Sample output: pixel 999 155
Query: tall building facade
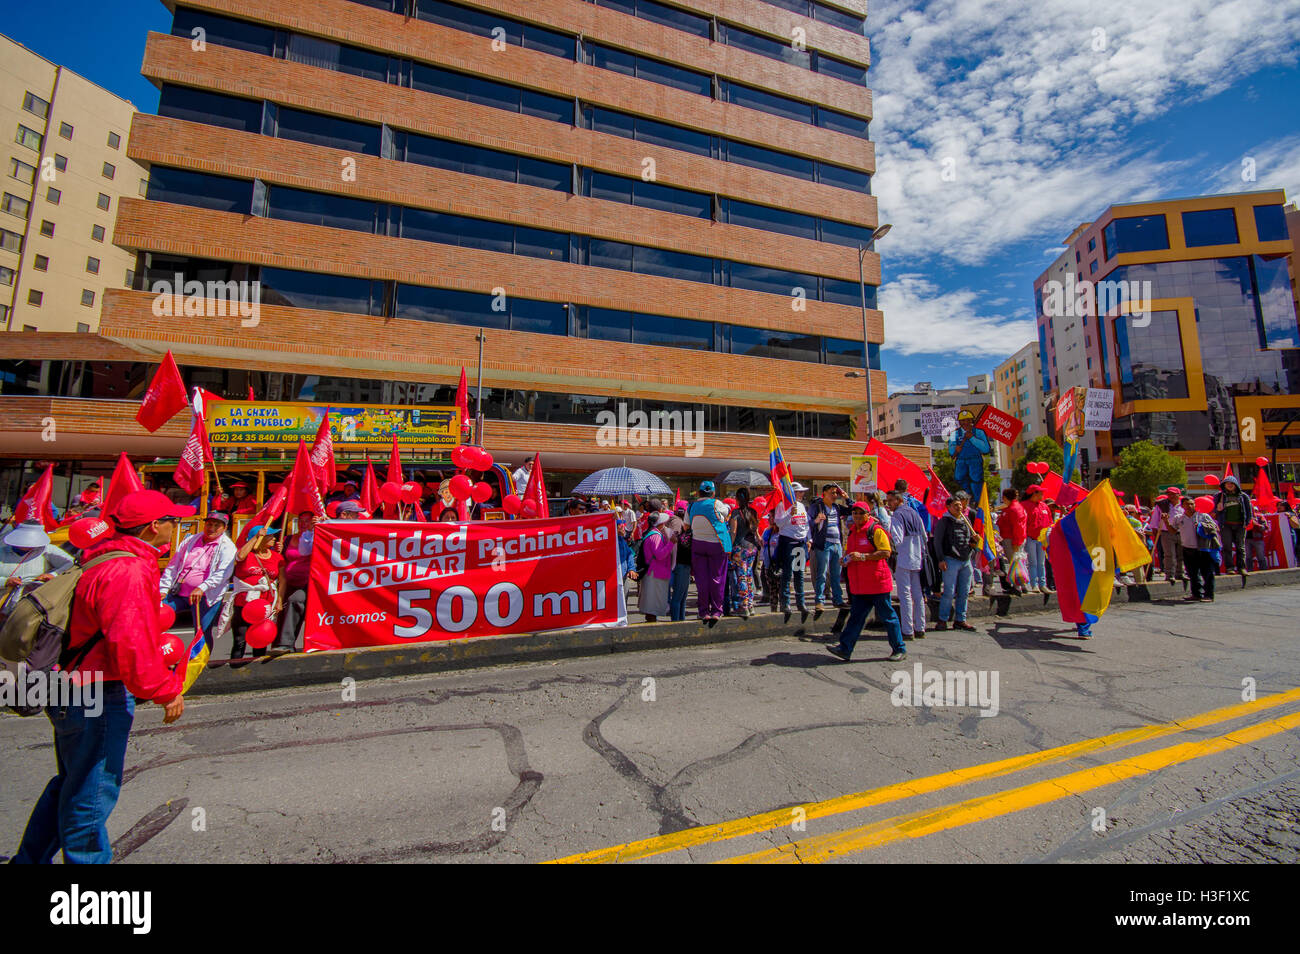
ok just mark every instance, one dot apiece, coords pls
pixel 654 204
pixel 1209 367
pixel 1016 390
pixel 66 169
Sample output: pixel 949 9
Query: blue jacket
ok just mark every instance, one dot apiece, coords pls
pixel 1247 511
pixel 977 445
pixel 921 511
pixel 819 529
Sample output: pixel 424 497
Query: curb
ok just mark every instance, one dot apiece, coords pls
pixel 381 662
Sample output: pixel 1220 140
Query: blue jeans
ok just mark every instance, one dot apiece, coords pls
pixel 72 813
pixel 1037 563
pixel 679 589
pixel 207 614
pixel 785 553
pixel 956 581
pixel 861 607
pixel 826 570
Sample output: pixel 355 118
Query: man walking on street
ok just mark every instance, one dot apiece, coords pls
pixel 115 622
pixel 870 583
pixel 1197 547
pixel 908 536
pixel 792 523
pixel 825 518
pixel 954 541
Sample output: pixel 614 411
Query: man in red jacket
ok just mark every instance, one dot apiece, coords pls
pixel 117 607
pixel 1013 528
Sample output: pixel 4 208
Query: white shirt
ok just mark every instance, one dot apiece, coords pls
pixel 521 481
pixel 792 521
pixel 220 570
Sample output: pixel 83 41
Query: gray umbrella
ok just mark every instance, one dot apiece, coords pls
pixel 743 478
pixel 620 481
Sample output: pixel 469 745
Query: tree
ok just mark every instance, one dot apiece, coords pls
pixel 943 468
pixel 1145 469
pixel 1040 448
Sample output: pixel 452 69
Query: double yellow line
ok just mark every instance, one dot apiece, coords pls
pixel 918 824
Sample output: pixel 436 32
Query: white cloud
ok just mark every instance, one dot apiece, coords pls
pixel 1032 117
pixel 1273 165
pixel 920 318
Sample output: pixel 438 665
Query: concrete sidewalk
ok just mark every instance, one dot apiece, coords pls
pixel 429 657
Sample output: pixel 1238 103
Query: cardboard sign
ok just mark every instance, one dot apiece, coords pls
pixel 938 422
pixel 1098 409
pixel 1064 407
pixel 999 425
pixel 864 474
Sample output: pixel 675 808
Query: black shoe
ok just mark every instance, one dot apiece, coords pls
pixel 278 651
pixel 919 634
pixel 963 625
pixel 838 652
pixel 941 626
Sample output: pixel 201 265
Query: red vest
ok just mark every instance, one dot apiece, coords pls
pixel 867 577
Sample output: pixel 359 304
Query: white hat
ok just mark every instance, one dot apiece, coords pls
pixel 28 534
pixel 796 486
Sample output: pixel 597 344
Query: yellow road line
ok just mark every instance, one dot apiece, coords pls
pixel 767 821
pixel 919 824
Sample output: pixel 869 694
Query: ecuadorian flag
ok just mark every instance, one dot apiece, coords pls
pixel 982 524
pixel 780 469
pixel 1086 548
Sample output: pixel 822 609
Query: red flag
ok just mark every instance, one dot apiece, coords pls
pixel 1227 471
pixel 1071 494
pixel 370 489
pixel 1051 483
pixel 322 455
pixel 251 399
pixel 37 503
pixel 125 480
pixel 189 469
pixel 1290 497
pixel 891 466
pixel 165 397
pixel 304 493
pixel 394 477
pixel 269 512
pixel 536 489
pixel 1264 496
pixel 462 401
pixel 936 498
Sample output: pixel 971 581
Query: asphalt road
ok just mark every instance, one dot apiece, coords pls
pixel 761 751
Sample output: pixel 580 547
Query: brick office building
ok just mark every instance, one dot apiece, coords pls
pixel 653 203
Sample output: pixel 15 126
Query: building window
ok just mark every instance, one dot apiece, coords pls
pixel 11 241
pixel 97 233
pixel 92 265
pixel 14 205
pixel 28 137
pixel 1141 233
pixel 214 109
pixel 47 228
pixel 109 170
pixel 53 195
pixel 35 105
pixel 1270 223
pixel 1210 227
pixel 65 130
pixel 22 171
pixel 204 191
pixel 1151 358
pixel 87 297
pixel 1092 267
pixel 82 327
pixel 60 162
pixel 1092 245
pixel 41 263
pixel 34 297
pixel 103 202
pixel 144 186
pixel 114 140
pixel 6 275
pixel 130 277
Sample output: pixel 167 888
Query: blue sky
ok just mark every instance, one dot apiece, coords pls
pixel 1048 112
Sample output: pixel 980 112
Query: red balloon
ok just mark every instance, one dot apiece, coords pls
pixel 529 509
pixel 760 506
pixel 460 486
pixel 482 459
pixel 88 530
pixel 462 455
pixel 332 509
pixel 166 617
pixel 481 492
pixel 173 650
pixel 260 635
pixel 512 504
pixel 1036 467
pixel 1212 479
pixel 390 492
pixel 254 611
pixel 411 492
pixel 1204 504
pixel 729 501
pixel 1261 461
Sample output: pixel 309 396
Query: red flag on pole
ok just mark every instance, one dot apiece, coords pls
pixel 124 481
pixel 165 397
pixel 304 493
pixel 322 455
pixel 891 465
pixel 936 498
pixel 269 512
pixel 536 489
pixel 1264 492
pixel 1227 472
pixel 189 469
pixel 370 490
pixel 37 503
pixel 391 511
pixel 462 401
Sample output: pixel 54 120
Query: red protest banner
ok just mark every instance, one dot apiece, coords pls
pixel 1064 407
pixel 385 583
pixel 999 425
pixel 891 465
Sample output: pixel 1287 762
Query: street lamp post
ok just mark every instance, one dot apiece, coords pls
pixel 866 345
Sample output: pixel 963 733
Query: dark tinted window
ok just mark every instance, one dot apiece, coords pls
pixel 769 159
pixel 199 189
pixel 769 219
pixel 842 178
pixel 840 18
pixel 773 280
pixel 224 32
pixel 646 68
pixel 763 343
pixel 767 102
pixel 334 56
pixel 360 296
pixel 484 22
pixel 1270 223
pixel 541 243
pixel 672 332
pixel 417 303
pixel 539 317
pixel 214 109
pixel 673 137
pixel 841 233
pixel 1210 227
pixel 319 208
pixel 843 122
pixel 764 46
pixel 652 195
pixel 545 175
pixel 544 106
pixel 328 131
pixel 1151 358
pixel 839 69
pixel 839 292
pixel 679 265
pixel 1142 233
pixel 606 324
pixel 605 254
pixel 848 352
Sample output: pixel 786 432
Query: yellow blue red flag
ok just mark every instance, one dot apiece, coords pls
pixel 781 476
pixel 1086 548
pixel 983 527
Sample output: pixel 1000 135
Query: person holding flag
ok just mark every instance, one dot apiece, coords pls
pixel 954 542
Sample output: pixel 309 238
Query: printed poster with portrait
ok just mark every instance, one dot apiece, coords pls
pixel 863 471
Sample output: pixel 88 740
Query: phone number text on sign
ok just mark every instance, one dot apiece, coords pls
pixel 380 583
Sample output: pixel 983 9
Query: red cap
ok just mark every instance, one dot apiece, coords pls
pixel 145 506
pixel 1034 488
pixel 1174 490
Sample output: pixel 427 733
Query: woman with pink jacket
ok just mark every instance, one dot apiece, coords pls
pixel 660 549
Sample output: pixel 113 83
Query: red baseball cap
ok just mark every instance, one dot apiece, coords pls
pixel 1033 488
pixel 145 506
pixel 1174 491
